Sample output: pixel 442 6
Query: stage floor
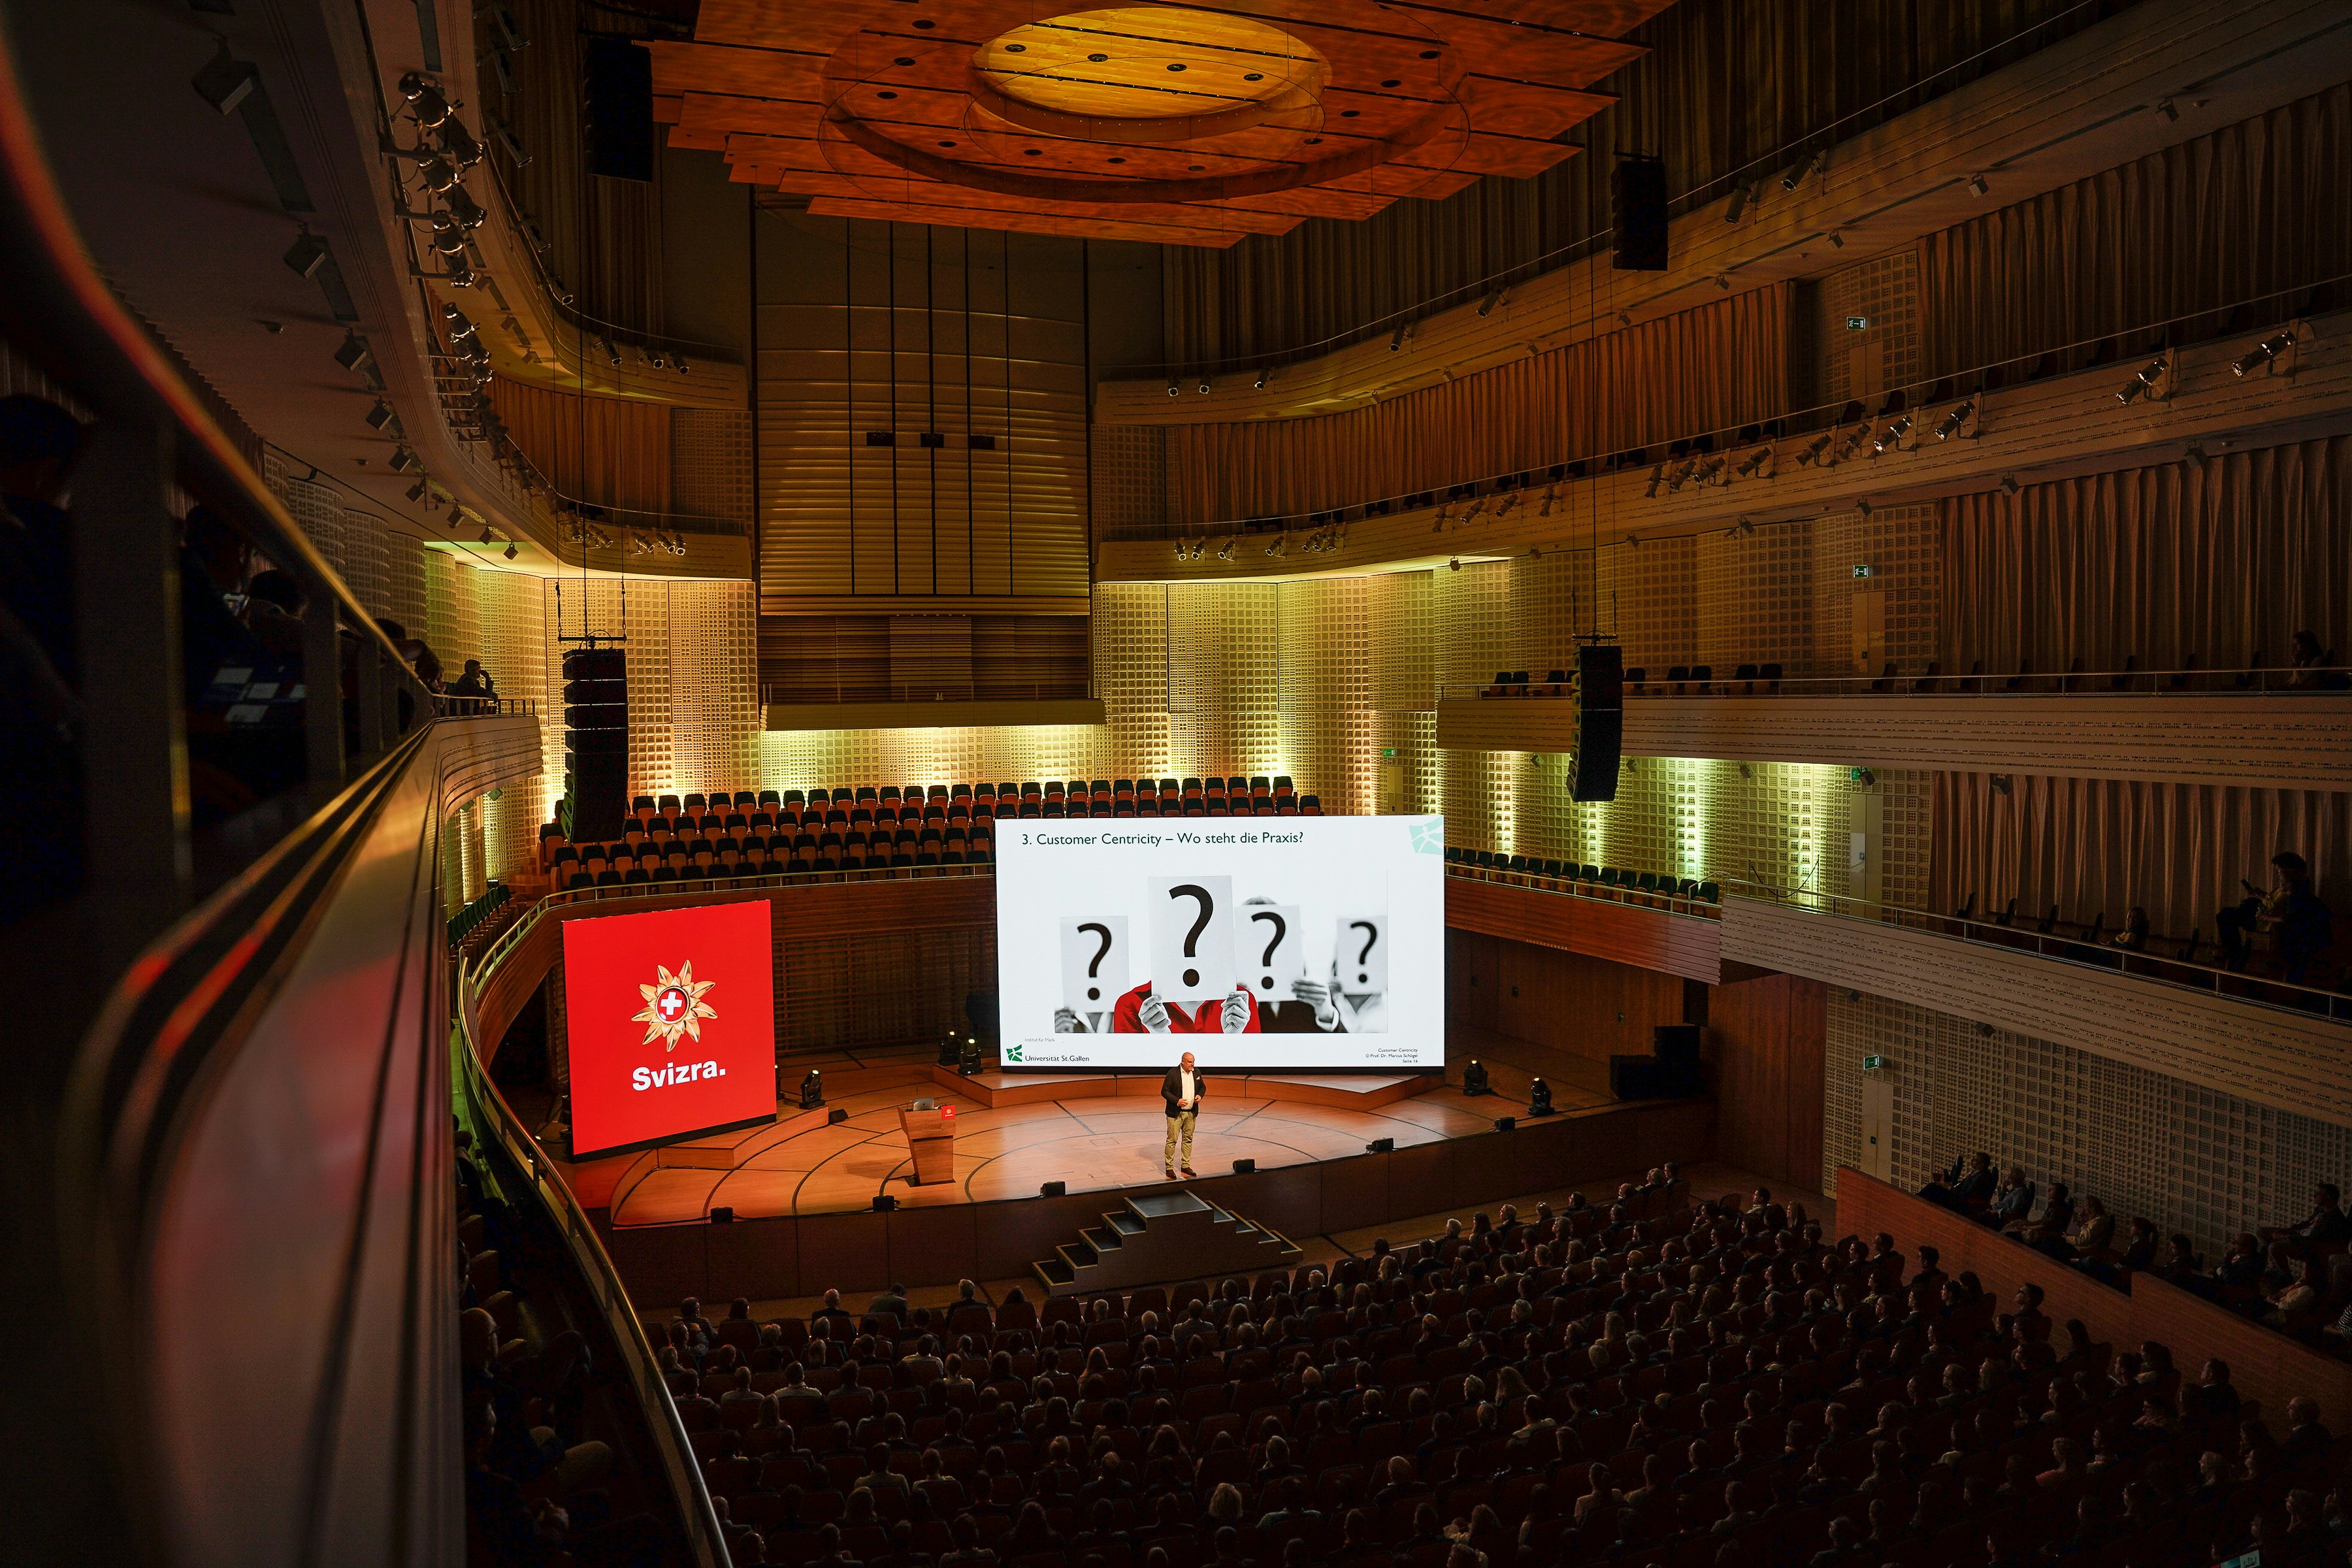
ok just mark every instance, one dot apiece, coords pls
pixel 1089 1134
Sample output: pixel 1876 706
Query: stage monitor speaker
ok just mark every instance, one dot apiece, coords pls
pixel 1600 722
pixel 1244 1167
pixel 1380 1146
pixel 835 1114
pixel 722 1215
pixel 1676 1044
pixel 1507 1123
pixel 619 120
pixel 1637 208
pixel 884 1203
pixel 1054 1190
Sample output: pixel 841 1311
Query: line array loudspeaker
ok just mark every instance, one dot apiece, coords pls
pixel 1600 722
pixel 596 741
pixel 1637 204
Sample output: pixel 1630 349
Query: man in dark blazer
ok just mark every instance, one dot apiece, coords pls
pixel 1181 1092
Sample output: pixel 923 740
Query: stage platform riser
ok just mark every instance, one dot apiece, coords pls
pixel 805 1255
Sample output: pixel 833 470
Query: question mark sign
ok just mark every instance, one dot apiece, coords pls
pixel 1199 922
pixel 1094 993
pixel 1281 926
pixel 1371 934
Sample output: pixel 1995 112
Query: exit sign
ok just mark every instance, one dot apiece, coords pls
pixel 1388 750
pixel 1872 1064
pixel 1857 323
pixel 1862 569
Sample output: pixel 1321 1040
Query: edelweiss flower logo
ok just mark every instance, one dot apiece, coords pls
pixel 674 1006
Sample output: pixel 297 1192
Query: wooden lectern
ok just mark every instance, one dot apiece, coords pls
pixel 930 1128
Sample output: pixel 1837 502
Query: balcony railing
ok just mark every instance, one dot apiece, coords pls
pixel 2160 961
pixel 1751 680
pixel 916 692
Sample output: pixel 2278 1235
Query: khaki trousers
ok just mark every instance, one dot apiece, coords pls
pixel 1180 1125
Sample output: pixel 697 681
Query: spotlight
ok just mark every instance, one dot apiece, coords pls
pixel 677 362
pixel 659 363
pixel 813 1090
pixel 403 460
pixel 2194 457
pixel 1487 306
pixel 465 209
pixel 1278 546
pixel 460 325
pixel 1232 547
pixel 1740 193
pixel 225 83
pixel 1893 435
pixel 2145 382
pixel 1538 1098
pixel 2009 484
pixel 1804 171
pixel 1753 462
pixel 2264 353
pixel 1204 386
pixel 2167 109
pixel 1977 187
pixel 307 254
pixel 380 416
pixel 1454 565
pixel 418 490
pixel 1657 478
pixel 612 354
pixel 1399 338
pixel 511 552
pixel 437 173
pixel 1474 1078
pixel 1260 382
pixel 1813 452
pixel 1551 494
pixel 1837 240
pixel 425 100
pixel 1950 425
pixel 1173 390
pixel 508 139
pixel 460 146
pixel 487 537
pixel 1179 550
pixel 1706 474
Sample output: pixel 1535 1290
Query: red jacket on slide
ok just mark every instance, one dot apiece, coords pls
pixel 1208 1019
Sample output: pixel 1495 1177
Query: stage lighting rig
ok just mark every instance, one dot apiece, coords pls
pixel 813 1090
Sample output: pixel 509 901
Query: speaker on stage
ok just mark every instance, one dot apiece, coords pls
pixel 1600 722
pixel 1676 1044
pixel 1054 1190
pixel 1637 210
pixel 1640 1078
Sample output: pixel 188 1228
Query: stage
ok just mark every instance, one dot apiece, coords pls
pixel 801 1190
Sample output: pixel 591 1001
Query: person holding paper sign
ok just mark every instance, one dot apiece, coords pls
pixel 1143 1011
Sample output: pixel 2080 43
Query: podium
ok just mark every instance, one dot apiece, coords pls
pixel 930 1128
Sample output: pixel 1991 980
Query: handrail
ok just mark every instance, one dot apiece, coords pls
pixel 1985 684
pixel 1534 483
pixel 774 695
pixel 1593 892
pixel 705 1536
pixel 2187 974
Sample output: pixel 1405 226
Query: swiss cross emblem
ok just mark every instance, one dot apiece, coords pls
pixel 674 1007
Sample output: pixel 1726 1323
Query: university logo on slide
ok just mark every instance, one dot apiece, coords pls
pixel 674 1006
pixel 1428 837
pixel 1012 1054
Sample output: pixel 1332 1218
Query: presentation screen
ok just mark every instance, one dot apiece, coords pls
pixel 1312 943
pixel 670 1017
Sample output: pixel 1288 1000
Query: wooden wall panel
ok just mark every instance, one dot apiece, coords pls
pixel 2264 1365
pixel 1646 938
pixel 1766 1039
pixel 1590 1006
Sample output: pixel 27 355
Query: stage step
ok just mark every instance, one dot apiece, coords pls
pixel 1159 1236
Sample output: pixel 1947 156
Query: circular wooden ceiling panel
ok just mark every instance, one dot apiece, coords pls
pixel 1154 74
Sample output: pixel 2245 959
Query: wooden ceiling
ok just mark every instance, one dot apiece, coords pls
pixel 1192 124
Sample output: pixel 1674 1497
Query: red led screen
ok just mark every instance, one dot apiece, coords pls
pixel 671 1021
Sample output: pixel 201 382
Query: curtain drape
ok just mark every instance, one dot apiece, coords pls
pixel 2090 845
pixel 2225 562
pixel 1716 367
pixel 608 451
pixel 604 235
pixel 2250 209
pixel 1727 82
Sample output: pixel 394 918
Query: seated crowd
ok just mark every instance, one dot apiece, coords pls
pixel 2296 1278
pixel 772 833
pixel 1648 1381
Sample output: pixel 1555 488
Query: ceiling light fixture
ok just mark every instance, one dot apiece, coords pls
pixel 306 255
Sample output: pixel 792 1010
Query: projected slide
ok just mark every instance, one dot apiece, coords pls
pixel 671 1021
pixel 1309 942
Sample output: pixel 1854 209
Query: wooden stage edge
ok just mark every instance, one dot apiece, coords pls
pixel 788 1253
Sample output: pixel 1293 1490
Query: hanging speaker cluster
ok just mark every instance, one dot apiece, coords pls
pixel 1599 720
pixel 619 108
pixel 1637 210
pixel 596 741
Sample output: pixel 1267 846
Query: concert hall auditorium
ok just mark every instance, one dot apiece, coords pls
pixel 1678 674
